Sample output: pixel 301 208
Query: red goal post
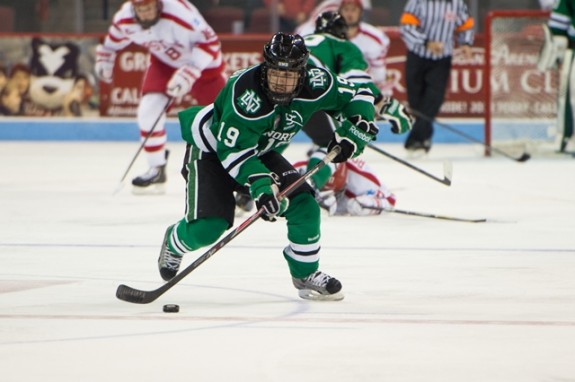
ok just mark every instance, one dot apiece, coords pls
pixel 521 102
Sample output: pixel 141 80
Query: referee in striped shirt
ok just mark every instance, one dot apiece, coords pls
pixel 428 28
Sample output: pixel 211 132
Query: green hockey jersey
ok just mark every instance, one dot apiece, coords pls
pixel 242 124
pixel 341 57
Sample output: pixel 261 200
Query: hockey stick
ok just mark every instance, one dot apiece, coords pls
pixel 164 110
pixel 447 168
pixel 425 215
pixel 522 158
pixel 137 296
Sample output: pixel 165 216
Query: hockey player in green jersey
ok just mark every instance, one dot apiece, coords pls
pixel 236 143
pixel 559 47
pixel 330 49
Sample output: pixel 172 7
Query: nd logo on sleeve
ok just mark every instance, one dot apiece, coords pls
pixel 249 102
pixel 317 78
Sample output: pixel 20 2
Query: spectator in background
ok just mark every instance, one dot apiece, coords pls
pixel 10 100
pixel 79 94
pixel 28 14
pixel 427 28
pixel 20 76
pixel 3 77
pixel 292 12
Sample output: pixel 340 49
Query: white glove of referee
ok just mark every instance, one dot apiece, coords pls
pixel 182 81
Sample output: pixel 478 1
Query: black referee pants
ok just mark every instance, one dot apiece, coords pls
pixel 426 83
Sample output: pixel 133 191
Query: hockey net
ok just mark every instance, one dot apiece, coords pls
pixel 522 101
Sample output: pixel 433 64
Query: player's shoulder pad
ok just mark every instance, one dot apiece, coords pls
pixel 318 81
pixel 248 97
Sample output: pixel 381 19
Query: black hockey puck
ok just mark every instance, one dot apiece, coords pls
pixel 171 308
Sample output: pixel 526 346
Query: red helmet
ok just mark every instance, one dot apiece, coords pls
pixel 354 2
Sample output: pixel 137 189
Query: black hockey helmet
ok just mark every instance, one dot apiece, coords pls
pixel 286 53
pixel 331 22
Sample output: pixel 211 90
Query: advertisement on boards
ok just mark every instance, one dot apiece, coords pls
pixel 54 76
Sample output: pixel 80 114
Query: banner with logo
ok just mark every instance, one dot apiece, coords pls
pixel 55 76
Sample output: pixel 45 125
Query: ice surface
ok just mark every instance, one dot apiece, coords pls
pixel 426 299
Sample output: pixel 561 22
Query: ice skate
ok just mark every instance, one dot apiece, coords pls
pixel 168 262
pixel 319 286
pixel 153 182
pixel 417 149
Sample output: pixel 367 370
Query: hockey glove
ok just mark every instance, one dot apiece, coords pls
pixel 327 200
pixel 104 66
pixel 265 192
pixel 352 136
pixel 182 81
pixel 396 114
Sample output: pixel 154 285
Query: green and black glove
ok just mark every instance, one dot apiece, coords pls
pixel 264 190
pixel 392 111
pixel 352 136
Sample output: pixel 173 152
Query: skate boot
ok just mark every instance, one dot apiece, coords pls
pixel 168 262
pixel 417 149
pixel 152 182
pixel 319 286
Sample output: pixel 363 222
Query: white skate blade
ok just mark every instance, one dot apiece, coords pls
pixel 153 189
pixel 309 294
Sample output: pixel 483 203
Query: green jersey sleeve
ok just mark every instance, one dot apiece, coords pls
pixel 340 56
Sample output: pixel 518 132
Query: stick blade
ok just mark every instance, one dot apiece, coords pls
pixel 136 296
pixel 447 172
pixel 118 188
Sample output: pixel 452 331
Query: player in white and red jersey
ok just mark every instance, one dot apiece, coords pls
pixel 371 41
pixel 353 189
pixel 185 57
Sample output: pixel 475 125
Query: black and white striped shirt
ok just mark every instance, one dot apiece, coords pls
pixel 435 20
